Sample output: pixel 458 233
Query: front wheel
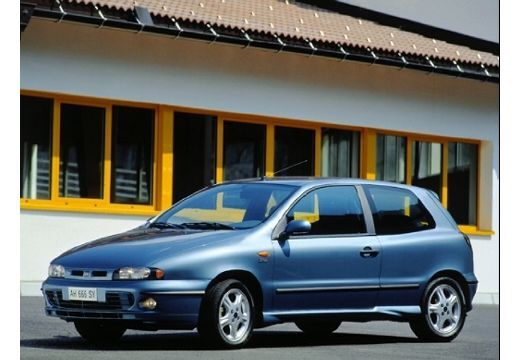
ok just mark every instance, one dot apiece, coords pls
pixel 227 315
pixel 318 327
pixel 99 332
pixel 443 312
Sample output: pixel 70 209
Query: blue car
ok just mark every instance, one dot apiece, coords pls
pixel 253 253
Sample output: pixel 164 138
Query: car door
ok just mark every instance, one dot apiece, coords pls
pixel 337 264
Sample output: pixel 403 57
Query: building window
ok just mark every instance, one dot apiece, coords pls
pixel 339 153
pixel 294 151
pixel 81 151
pixel 391 158
pixel 427 166
pixel 244 150
pixel 35 147
pixel 462 182
pixel 194 148
pixel 132 155
pixel 106 153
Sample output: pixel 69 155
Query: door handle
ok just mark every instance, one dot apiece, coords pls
pixel 368 252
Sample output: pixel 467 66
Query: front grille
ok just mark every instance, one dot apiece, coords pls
pixel 115 300
pixel 87 274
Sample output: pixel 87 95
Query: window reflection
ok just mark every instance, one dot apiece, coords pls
pixel 81 151
pixel 244 150
pixel 330 210
pixel 397 211
pixel 35 145
pixel 462 182
pixel 194 149
pixel 294 146
pixel 427 165
pixel 132 155
pixel 391 158
pixel 340 153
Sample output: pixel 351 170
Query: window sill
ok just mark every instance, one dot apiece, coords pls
pixel 83 206
pixel 473 230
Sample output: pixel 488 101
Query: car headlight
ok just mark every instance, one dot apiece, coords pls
pixel 138 273
pixel 56 271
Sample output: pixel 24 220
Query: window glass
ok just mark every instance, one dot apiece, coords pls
pixel 397 211
pixel 330 210
pixel 293 146
pixel 35 147
pixel 391 158
pixel 194 149
pixel 340 153
pixel 427 165
pixel 241 205
pixel 462 182
pixel 81 151
pixel 244 150
pixel 132 155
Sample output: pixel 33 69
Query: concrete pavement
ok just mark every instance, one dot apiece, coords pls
pixel 43 337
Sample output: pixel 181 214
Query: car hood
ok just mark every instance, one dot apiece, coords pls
pixel 139 247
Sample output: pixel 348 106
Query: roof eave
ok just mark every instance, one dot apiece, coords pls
pixel 276 43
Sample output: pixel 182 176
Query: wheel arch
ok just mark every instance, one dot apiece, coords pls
pixel 461 281
pixel 252 284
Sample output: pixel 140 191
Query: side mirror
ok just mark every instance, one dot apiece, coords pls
pixel 296 227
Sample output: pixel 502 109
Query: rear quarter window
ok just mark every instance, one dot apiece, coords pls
pixel 397 211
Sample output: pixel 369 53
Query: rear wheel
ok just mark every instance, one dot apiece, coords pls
pixel 443 312
pixel 227 315
pixel 99 332
pixel 318 327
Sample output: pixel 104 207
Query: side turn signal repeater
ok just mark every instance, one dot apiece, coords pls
pixel 263 256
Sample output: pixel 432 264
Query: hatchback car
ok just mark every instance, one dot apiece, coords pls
pixel 253 253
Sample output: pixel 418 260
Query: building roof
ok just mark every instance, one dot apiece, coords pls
pixel 295 22
pixel 304 21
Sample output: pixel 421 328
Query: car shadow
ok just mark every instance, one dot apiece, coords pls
pixel 191 341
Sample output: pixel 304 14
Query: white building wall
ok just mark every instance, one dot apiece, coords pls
pixel 104 63
pixel 45 235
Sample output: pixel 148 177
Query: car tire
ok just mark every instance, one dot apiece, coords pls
pixel 443 312
pixel 227 315
pixel 99 332
pixel 318 327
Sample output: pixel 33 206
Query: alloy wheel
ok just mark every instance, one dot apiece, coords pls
pixel 234 315
pixel 444 309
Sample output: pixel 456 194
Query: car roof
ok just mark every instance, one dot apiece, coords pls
pixel 311 181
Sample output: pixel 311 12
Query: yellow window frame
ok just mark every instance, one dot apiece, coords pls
pixel 370 166
pixel 164 156
pixel 101 205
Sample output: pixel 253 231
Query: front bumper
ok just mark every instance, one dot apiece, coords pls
pixel 178 302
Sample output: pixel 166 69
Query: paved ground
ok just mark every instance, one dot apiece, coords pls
pixel 49 338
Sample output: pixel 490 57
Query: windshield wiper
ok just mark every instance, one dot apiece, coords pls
pixel 165 225
pixel 208 225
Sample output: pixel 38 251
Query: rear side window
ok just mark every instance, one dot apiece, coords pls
pixel 330 210
pixel 397 211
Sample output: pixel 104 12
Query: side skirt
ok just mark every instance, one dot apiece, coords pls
pixel 392 313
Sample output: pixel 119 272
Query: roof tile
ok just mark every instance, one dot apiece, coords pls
pixel 304 21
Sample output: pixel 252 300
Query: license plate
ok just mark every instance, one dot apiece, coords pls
pixel 83 294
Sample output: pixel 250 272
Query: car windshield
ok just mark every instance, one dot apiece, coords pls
pixel 228 206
